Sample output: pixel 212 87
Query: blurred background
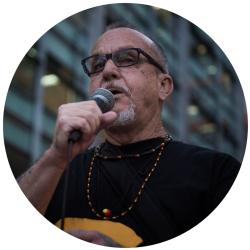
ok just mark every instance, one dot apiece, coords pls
pixel 207 107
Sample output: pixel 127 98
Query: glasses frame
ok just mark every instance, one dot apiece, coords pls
pixel 109 56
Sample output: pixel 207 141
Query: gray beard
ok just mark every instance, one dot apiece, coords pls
pixel 125 117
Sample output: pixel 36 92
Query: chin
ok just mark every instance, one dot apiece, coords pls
pixel 125 117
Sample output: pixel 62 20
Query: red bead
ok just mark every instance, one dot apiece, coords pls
pixel 106 212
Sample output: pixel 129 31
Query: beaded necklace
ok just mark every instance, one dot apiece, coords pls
pixel 106 213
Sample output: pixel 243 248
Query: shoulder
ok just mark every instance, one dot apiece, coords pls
pixel 184 148
pixel 200 155
pixel 187 150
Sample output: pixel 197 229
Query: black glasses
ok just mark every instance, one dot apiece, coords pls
pixel 121 58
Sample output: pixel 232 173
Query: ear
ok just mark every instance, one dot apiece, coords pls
pixel 165 86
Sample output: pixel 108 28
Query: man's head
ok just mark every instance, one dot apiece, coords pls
pixel 137 77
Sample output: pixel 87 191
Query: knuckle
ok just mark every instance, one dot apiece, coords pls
pixel 62 123
pixel 92 116
pixel 84 123
pixel 94 107
pixel 61 108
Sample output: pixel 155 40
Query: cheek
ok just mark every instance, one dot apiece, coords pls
pixel 92 87
pixel 149 84
pixel 140 81
pixel 147 100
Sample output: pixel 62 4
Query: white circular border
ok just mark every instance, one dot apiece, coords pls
pixel 23 22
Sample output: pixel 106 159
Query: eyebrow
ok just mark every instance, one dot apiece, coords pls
pixel 117 49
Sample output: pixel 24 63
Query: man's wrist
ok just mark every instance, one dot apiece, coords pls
pixel 56 159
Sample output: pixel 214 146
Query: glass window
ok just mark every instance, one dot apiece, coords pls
pixel 201 127
pixel 23 77
pixel 17 138
pixel 19 161
pixel 226 81
pixel 57 86
pixel 57 93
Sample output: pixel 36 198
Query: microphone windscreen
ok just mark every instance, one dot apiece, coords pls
pixel 104 99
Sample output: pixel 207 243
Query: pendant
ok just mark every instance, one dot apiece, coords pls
pixel 106 212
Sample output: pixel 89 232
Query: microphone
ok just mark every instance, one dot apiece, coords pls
pixel 105 101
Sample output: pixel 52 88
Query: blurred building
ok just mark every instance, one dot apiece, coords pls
pixel 207 107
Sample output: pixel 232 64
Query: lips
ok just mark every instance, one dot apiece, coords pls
pixel 117 91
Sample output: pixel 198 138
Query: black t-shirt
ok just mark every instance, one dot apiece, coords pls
pixel 186 185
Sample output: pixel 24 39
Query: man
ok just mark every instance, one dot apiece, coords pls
pixel 139 187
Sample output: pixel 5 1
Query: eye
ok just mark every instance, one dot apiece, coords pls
pixel 97 63
pixel 126 57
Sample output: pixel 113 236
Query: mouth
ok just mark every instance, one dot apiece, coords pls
pixel 116 91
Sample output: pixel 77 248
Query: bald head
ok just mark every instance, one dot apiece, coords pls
pixel 124 37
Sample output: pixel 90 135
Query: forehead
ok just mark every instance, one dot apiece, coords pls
pixel 119 38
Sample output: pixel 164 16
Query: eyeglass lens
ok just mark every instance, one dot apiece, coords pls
pixel 122 58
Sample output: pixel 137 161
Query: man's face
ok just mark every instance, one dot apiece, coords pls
pixel 136 87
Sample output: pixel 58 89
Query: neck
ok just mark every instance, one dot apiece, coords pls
pixel 130 134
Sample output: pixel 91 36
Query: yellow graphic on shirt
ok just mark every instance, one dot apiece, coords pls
pixel 117 231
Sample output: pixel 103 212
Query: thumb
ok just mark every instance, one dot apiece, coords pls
pixel 108 118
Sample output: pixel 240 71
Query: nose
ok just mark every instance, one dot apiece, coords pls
pixel 110 71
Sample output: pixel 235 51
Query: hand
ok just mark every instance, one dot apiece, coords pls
pixel 94 237
pixel 83 116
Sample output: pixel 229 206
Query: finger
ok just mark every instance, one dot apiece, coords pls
pixel 94 120
pixel 88 122
pixel 64 132
pixel 107 119
pixel 79 109
pixel 91 114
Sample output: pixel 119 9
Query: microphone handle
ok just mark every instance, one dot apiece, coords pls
pixel 74 136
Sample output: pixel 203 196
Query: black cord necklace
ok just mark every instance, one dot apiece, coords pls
pixel 106 213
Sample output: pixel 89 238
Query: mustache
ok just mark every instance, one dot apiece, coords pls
pixel 116 87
